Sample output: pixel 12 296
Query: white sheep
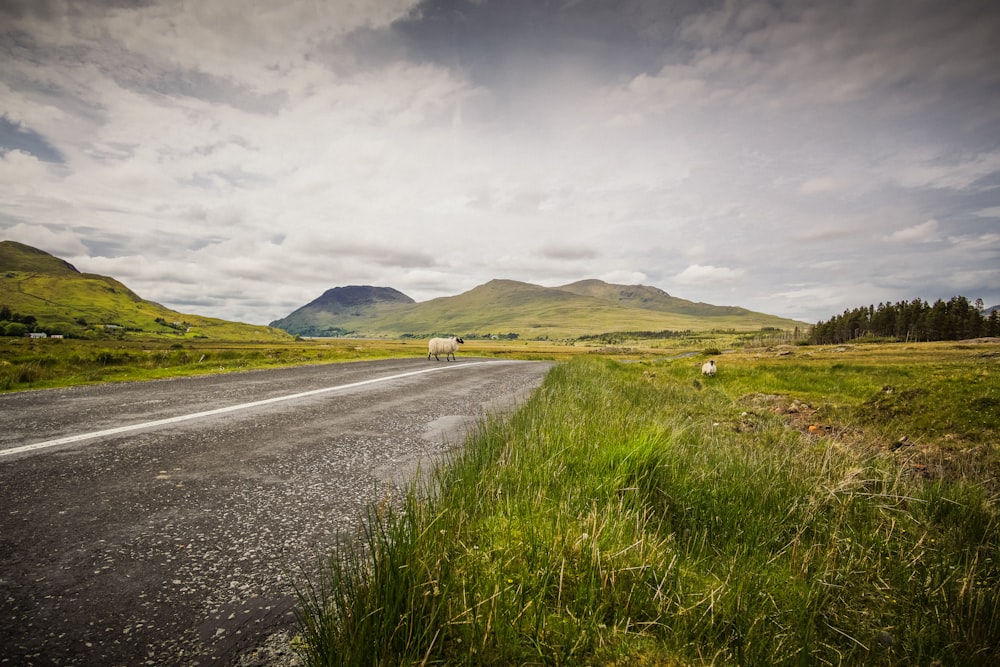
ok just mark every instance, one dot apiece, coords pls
pixel 446 346
pixel 708 368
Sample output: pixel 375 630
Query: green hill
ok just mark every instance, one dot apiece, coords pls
pixel 531 311
pixel 652 298
pixel 61 299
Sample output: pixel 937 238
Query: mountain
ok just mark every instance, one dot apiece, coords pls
pixel 63 300
pixel 16 256
pixel 501 307
pixel 651 298
pixel 337 310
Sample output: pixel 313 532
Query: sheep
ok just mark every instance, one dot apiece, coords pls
pixel 708 368
pixel 446 346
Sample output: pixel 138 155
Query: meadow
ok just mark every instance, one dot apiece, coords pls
pixel 60 362
pixel 806 506
pixel 50 363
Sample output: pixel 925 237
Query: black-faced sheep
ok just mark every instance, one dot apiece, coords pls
pixel 446 346
pixel 708 368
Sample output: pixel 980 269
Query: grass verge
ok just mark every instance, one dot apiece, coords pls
pixel 632 513
pixel 49 363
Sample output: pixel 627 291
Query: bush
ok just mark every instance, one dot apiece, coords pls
pixel 15 329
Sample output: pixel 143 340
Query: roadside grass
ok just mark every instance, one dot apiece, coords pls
pixel 38 364
pixel 638 514
pixel 49 363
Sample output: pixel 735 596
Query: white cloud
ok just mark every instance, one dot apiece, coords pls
pixel 698 274
pixel 924 232
pixel 820 185
pixel 930 168
pixel 21 172
pixel 624 277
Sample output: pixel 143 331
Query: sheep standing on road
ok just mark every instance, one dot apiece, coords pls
pixel 708 368
pixel 446 346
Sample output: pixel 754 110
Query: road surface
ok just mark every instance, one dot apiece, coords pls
pixel 165 522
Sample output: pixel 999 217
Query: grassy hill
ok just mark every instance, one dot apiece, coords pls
pixel 532 311
pixel 652 298
pixel 63 300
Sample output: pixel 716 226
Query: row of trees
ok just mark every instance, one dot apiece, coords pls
pixel 916 320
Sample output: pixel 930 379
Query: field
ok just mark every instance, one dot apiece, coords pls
pixel 47 363
pixel 808 505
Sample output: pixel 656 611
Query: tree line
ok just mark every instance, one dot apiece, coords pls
pixel 917 320
pixel 15 324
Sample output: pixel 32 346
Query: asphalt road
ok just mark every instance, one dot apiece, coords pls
pixel 176 541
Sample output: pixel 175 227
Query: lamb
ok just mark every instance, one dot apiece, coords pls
pixel 446 346
pixel 708 368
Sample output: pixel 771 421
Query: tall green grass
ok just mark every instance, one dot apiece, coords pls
pixel 624 515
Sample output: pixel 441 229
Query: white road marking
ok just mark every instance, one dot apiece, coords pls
pixel 218 411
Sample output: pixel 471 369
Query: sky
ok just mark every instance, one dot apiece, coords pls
pixel 237 158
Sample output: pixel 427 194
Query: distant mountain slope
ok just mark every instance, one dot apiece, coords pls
pixel 64 300
pixel 335 312
pixel 651 298
pixel 532 311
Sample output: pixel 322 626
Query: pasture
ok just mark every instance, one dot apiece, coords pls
pixel 48 363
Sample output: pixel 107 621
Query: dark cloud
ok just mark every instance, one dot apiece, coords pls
pixel 509 43
pixel 48 10
pixel 568 253
pixel 377 254
pixel 101 244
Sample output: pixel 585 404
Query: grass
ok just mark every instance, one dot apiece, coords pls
pixel 48 363
pixel 637 514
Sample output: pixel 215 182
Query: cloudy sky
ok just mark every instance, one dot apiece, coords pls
pixel 236 158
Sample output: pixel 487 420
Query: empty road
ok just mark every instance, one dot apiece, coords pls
pixel 159 522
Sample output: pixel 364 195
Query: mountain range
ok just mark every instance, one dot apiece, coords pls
pixel 61 299
pixel 505 307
